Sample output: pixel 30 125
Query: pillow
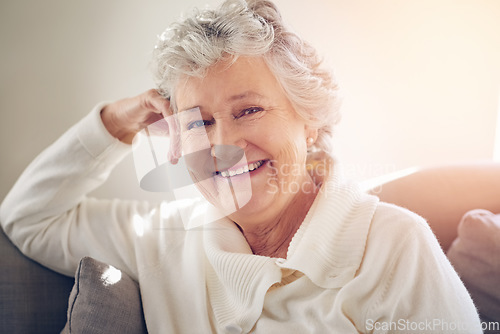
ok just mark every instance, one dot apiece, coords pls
pixel 475 254
pixel 104 300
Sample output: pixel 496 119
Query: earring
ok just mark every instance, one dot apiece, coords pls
pixel 310 141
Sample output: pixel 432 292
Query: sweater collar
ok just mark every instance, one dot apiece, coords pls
pixel 328 248
pixel 329 245
pixel 237 280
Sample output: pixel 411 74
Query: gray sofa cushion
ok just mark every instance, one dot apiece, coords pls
pixel 475 254
pixel 104 300
pixel 33 299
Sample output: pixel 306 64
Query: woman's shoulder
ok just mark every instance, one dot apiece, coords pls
pixel 396 233
pixel 397 238
pixel 396 220
pixel 404 262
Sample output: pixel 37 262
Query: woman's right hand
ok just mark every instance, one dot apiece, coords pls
pixel 125 118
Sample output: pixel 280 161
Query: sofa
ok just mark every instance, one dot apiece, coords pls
pixel 34 299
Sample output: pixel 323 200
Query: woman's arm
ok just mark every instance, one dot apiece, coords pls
pixel 442 195
pixel 47 214
pixel 410 281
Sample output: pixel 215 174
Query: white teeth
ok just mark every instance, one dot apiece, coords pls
pixel 241 170
pixel 255 165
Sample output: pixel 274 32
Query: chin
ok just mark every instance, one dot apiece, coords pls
pixel 260 202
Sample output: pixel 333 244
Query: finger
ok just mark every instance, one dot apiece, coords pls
pixel 174 153
pixel 152 101
pixel 158 126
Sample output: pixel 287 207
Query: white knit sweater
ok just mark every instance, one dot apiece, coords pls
pixel 355 265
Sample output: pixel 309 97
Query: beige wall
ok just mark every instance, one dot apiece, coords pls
pixel 420 78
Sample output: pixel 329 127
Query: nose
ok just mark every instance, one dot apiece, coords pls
pixel 226 132
pixel 226 156
pixel 227 144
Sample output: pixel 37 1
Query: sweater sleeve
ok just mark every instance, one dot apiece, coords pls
pixel 418 290
pixel 47 214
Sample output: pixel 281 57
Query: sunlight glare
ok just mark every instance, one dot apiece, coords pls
pixel 496 145
pixel 111 276
pixel 139 223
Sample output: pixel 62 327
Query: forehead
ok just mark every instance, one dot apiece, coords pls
pixel 226 80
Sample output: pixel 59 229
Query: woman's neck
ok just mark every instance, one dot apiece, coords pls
pixel 271 237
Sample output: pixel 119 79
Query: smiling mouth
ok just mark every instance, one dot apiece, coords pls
pixel 245 169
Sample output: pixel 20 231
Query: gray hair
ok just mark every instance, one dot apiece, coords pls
pixel 250 28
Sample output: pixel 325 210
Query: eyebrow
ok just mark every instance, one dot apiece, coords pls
pixel 245 95
pixel 237 97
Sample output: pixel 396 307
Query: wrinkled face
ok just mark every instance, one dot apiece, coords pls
pixel 253 143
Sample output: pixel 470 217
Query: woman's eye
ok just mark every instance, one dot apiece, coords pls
pixel 251 110
pixel 197 124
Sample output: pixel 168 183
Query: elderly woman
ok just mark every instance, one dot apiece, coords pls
pixel 303 252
